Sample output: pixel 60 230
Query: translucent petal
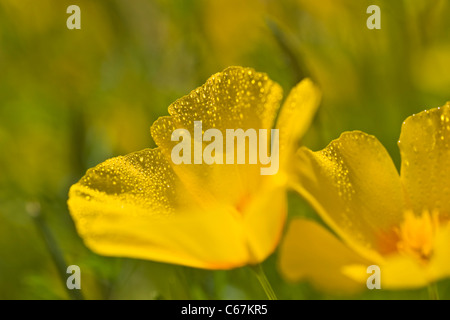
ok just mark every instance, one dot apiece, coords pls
pixel 210 216
pixel 264 219
pixel 237 98
pixel 355 188
pixel 402 271
pixel 439 267
pixel 134 206
pixel 312 253
pixel 296 115
pixel 142 179
pixel 397 272
pixel 425 149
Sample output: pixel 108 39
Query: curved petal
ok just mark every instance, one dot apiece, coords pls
pixel 397 272
pixel 405 272
pixel 313 253
pixel 237 98
pixel 234 98
pixel 134 206
pixel 439 267
pixel 296 115
pixel 425 149
pixel 264 218
pixel 355 188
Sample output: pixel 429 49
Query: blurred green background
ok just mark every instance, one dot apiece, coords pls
pixel 70 99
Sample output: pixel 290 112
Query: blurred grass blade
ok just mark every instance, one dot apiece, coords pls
pixel 433 292
pixel 34 210
pixel 298 66
pixel 261 276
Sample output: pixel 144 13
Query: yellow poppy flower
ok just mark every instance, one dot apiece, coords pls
pixel 399 222
pixel 213 216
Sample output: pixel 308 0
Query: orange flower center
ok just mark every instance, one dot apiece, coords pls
pixel 416 234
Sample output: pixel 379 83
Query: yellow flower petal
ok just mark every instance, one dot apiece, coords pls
pixel 209 216
pixel 355 188
pixel 402 271
pixel 439 267
pixel 133 206
pixel 425 150
pixel 296 115
pixel 264 219
pixel 151 215
pixel 237 98
pixel 397 272
pixel 311 252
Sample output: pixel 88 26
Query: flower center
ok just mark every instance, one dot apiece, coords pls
pixel 243 203
pixel 416 234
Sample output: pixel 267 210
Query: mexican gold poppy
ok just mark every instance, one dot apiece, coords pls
pixel 213 216
pixel 375 215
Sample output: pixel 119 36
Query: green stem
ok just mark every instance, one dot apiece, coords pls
pixel 433 292
pixel 34 210
pixel 261 276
